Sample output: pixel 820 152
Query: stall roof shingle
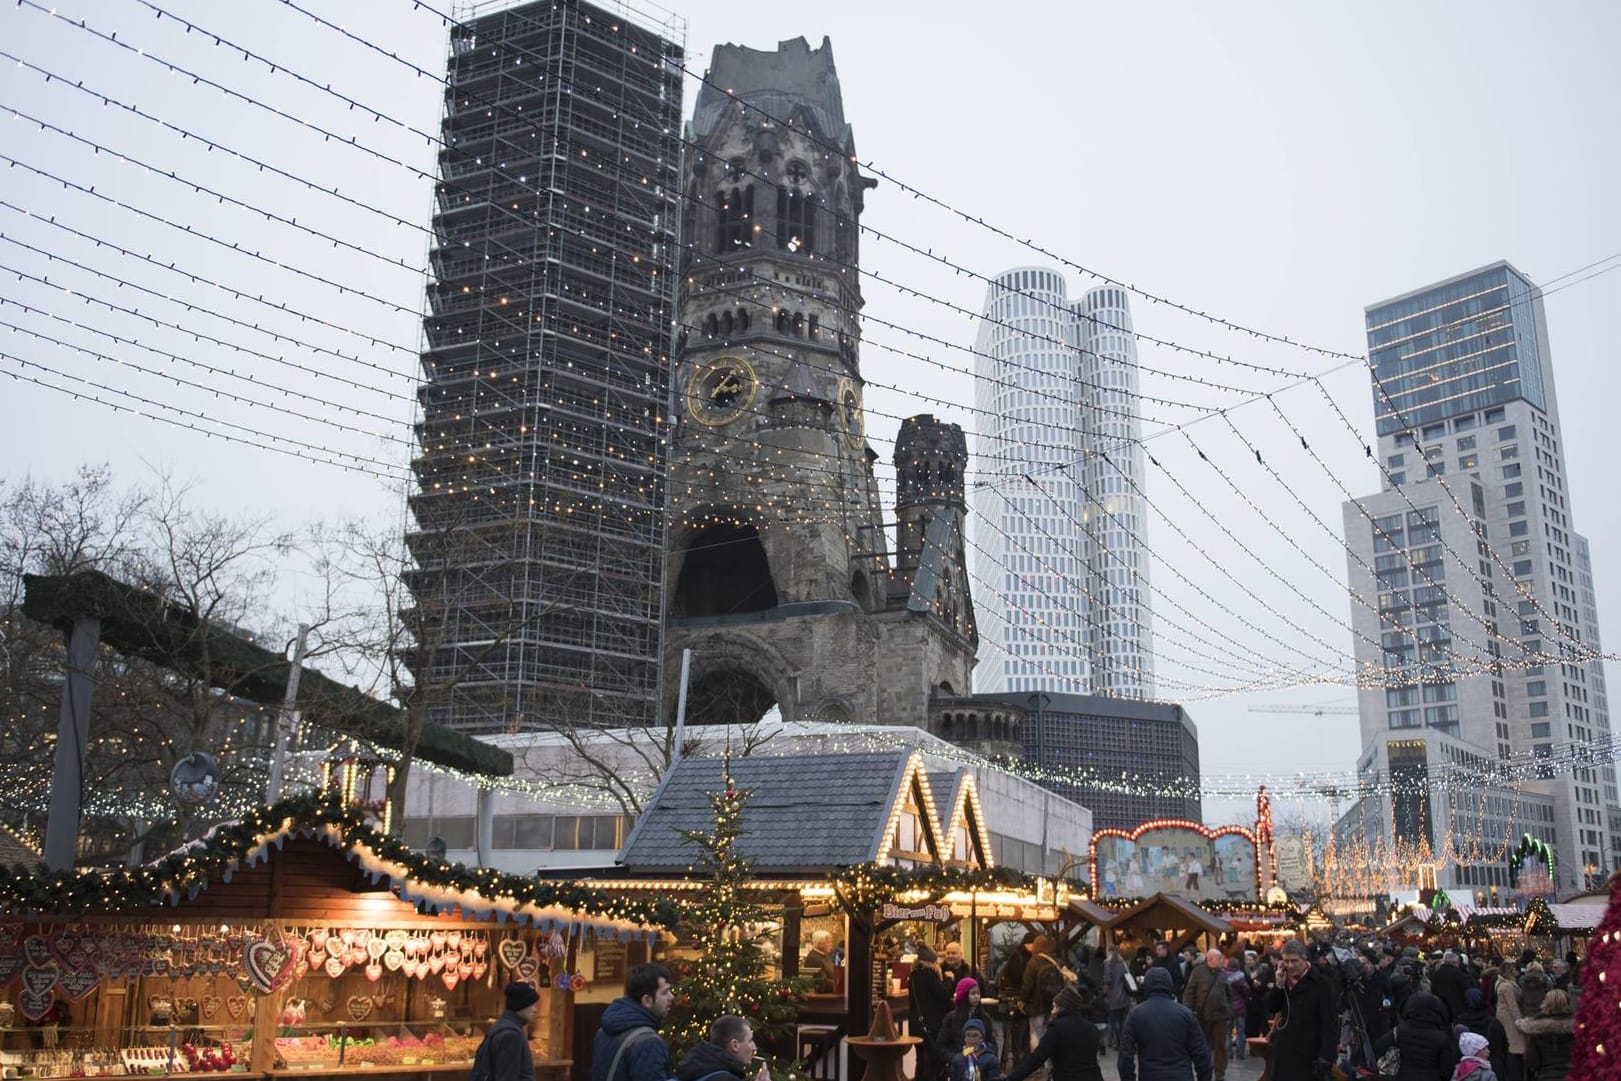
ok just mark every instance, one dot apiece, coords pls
pixel 805 813
pixel 14 850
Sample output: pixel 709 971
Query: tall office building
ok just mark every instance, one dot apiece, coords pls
pixel 1482 618
pixel 1059 521
pixel 539 509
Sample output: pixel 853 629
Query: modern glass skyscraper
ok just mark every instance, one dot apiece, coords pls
pixel 1485 621
pixel 539 509
pixel 1061 562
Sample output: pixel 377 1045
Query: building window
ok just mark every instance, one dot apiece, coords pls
pixel 1505 432
pixel 1511 471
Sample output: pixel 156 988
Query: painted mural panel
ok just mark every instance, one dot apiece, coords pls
pixel 1178 860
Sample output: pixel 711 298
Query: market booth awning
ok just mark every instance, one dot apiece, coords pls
pixel 1184 920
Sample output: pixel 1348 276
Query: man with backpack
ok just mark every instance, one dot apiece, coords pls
pixel 728 1054
pixel 628 1046
pixel 504 1055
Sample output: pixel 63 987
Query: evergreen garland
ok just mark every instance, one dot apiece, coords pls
pixel 182 874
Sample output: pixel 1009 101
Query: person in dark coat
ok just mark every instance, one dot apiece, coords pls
pixel 1429 1051
pixel 1070 1042
pixel 975 1060
pixel 1173 965
pixel 1207 996
pixel 728 1054
pixel 1548 1038
pixel 1449 982
pixel 1475 1017
pixel 955 967
pixel 966 1008
pixel 504 1055
pixel 1304 1043
pixel 1162 1038
pixel 930 1001
pixel 1534 984
pixel 632 1023
pixel 1043 979
pixel 1009 984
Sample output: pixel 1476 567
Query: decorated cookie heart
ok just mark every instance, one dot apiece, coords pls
pixel 392 960
pixel 453 939
pixel 375 947
pixel 451 979
pixel 11 963
pixel 334 967
pixel 236 1006
pixel 395 938
pixel 269 965
pixel 78 982
pixel 359 1007
pixel 464 969
pixel 35 1005
pixel 512 951
pixel 479 969
pixel 318 939
pixel 9 937
pixel 527 969
pixel 436 963
pixel 374 972
pixel 210 1005
pixel 37 950
pixel 481 946
pixel 316 958
pixel 41 978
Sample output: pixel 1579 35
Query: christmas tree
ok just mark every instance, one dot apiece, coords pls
pixel 1597 1054
pixel 726 931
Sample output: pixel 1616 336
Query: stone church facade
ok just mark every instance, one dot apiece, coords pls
pixel 778 572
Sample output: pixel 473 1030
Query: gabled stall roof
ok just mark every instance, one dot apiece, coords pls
pixel 1164 912
pixel 1577 916
pixel 14 851
pixel 807 814
pixel 956 797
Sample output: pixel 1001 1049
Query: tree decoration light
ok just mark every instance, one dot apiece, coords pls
pixel 727 927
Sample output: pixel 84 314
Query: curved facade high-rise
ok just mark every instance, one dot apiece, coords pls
pixel 1118 620
pixel 1059 524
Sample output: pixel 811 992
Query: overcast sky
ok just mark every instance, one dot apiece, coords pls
pixel 1277 165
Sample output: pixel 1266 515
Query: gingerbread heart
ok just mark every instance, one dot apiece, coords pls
pixel 9 937
pixel 528 969
pixel 374 972
pixel 11 963
pixel 64 943
pixel 37 950
pixel 436 963
pixel 316 958
pixel 479 969
pixel 78 982
pixel 210 1005
pixel 41 979
pixel 481 946
pixel 36 1004
pixel 269 965
pixel 464 969
pixel 359 1007
pixel 453 939
pixel 396 938
pixel 512 951
pixel 236 1006
pixel 375 947
pixel 318 939
pixel 334 967
pixel 450 978
pixel 392 960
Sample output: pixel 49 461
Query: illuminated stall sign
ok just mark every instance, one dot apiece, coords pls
pixel 1176 857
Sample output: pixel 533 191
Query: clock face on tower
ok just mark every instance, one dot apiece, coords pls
pixel 850 415
pixel 720 390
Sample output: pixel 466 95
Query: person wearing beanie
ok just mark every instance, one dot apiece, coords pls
pixel 975 1059
pixel 504 1054
pixel 1473 1065
pixel 1162 1039
pixel 965 1009
pixel 1043 979
pixel 628 1046
pixel 1069 1042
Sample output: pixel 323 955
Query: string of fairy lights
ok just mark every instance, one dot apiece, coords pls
pixel 375 466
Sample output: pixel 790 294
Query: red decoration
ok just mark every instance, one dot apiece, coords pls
pixel 1597 1054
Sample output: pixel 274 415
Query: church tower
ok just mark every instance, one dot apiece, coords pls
pixel 777 559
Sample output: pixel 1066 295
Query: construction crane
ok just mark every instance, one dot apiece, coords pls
pixel 1316 711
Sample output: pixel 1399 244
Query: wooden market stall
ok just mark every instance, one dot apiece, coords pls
pixel 1170 918
pixel 869 848
pixel 297 941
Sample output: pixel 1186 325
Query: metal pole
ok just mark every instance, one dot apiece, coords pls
pixel 72 737
pixel 287 717
pixel 681 705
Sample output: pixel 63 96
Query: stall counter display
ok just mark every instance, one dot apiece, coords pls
pixel 89 1001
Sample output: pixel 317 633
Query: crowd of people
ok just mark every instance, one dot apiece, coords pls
pixel 1363 1008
